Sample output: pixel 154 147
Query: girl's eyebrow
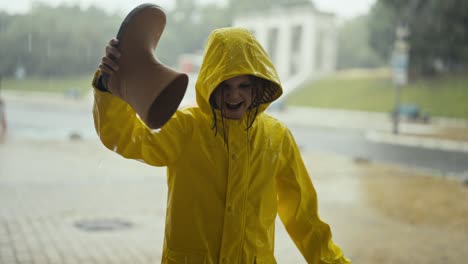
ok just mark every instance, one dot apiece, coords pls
pixel 222 84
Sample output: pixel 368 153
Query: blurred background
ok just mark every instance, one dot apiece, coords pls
pixel 375 92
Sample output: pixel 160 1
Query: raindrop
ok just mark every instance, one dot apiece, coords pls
pixel 48 49
pixel 29 42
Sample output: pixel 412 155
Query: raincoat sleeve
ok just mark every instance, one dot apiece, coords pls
pixel 121 131
pixel 297 208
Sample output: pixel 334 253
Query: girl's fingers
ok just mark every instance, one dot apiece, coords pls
pixel 104 68
pixel 110 63
pixel 114 42
pixel 110 50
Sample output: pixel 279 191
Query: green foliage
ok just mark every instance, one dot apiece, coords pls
pixel 373 91
pixel 188 26
pixel 55 41
pixel 353 45
pixel 382 23
pixel 69 41
pixel 438 33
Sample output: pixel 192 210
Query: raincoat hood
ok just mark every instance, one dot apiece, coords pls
pixel 231 52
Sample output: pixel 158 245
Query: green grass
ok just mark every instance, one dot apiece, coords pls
pixel 58 85
pixel 373 91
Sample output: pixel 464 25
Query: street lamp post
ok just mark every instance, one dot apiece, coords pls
pixel 400 61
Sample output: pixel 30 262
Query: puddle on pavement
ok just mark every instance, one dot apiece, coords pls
pixel 403 194
pixel 416 198
pixel 386 214
pixel 103 224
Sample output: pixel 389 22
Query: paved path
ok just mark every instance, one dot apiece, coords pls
pixel 378 214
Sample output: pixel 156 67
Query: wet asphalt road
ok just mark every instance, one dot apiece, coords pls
pixel 40 121
pixel 351 143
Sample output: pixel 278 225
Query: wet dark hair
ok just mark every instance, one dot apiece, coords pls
pixel 263 91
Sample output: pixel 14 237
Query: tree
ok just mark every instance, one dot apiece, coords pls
pixel 68 40
pixel 60 41
pixel 354 50
pixel 438 33
pixel 188 26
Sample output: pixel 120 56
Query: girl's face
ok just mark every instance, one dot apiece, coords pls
pixel 234 96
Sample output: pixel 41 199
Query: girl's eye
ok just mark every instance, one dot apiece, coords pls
pixel 244 85
pixel 221 87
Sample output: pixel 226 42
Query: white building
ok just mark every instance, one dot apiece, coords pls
pixel 301 41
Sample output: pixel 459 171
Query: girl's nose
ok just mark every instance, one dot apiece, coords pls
pixel 232 92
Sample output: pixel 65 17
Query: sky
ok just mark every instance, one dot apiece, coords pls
pixel 343 8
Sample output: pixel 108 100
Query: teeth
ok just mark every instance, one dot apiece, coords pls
pixel 233 106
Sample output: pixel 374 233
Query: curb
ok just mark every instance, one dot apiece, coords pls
pixel 377 127
pixel 411 141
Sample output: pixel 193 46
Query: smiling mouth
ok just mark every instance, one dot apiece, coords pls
pixel 233 106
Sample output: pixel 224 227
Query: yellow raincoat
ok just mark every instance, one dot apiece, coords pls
pixel 223 198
